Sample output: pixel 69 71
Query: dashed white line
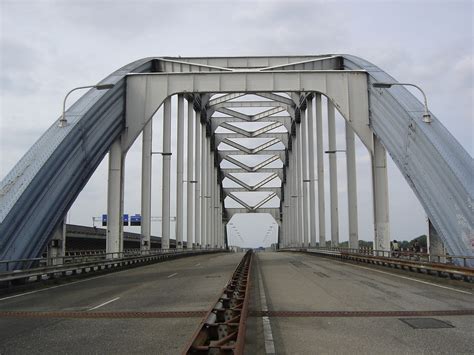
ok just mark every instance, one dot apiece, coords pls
pixel 197 264
pixel 53 287
pixel 170 276
pixel 103 304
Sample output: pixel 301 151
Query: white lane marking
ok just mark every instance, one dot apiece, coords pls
pixel 197 264
pixel 267 327
pixel 52 287
pixel 170 276
pixel 103 304
pixel 412 279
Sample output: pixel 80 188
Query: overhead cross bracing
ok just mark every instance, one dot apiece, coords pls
pixel 257 122
pixel 36 195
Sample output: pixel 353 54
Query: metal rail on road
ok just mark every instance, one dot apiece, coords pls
pixel 83 265
pixel 222 330
pixel 438 269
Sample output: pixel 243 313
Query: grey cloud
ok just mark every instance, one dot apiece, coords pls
pixel 16 75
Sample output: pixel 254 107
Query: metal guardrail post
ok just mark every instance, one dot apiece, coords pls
pixel 74 263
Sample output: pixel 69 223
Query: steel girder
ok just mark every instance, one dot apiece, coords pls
pixel 37 193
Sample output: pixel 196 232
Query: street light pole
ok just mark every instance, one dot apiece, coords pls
pixel 63 121
pixel 426 115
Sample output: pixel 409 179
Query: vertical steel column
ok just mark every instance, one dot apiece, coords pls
pixel 218 211
pixel 285 208
pixel 312 178
pixel 179 173
pixel 380 197
pixel 214 214
pixel 57 245
pixel 222 230
pixel 210 199
pixel 279 232
pixel 319 144
pixel 190 187
pixel 285 242
pixel 333 175
pixel 166 191
pixel 299 185
pixel 287 198
pixel 204 193
pixel 226 234
pixel 210 206
pixel 203 179
pixel 211 211
pixel 435 245
pixel 305 179
pixel 351 187
pixel 207 197
pixel 219 218
pixel 218 224
pixel 147 138
pixel 294 194
pixel 290 196
pixel 114 236
pixel 282 216
pixel 288 221
pixel 218 215
pixel 197 196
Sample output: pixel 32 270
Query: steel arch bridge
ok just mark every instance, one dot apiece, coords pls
pixel 36 195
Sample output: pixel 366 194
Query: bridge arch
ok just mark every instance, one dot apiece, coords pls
pixel 36 194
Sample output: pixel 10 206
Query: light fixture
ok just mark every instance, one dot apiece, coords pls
pixel 426 115
pixel 63 121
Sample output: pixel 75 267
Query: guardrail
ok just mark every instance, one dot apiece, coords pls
pixel 72 265
pixel 409 261
pixel 461 260
pixel 76 256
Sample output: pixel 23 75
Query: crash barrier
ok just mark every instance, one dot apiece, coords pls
pixel 409 261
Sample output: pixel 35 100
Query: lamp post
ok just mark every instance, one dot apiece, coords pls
pixel 426 115
pixel 63 121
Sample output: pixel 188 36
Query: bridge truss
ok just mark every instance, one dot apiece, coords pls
pixel 267 108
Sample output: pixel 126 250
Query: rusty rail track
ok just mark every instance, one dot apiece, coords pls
pixel 222 331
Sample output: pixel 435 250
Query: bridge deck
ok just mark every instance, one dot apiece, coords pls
pixel 187 284
pixel 286 282
pixel 300 282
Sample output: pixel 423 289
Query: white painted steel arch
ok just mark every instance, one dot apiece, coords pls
pixel 36 194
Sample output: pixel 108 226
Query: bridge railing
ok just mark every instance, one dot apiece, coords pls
pixel 409 261
pixel 131 251
pixel 83 256
pixel 462 260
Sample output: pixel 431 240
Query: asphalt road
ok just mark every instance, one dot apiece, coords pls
pixel 187 284
pixel 300 282
pixel 281 282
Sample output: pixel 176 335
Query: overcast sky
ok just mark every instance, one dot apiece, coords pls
pixel 49 47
